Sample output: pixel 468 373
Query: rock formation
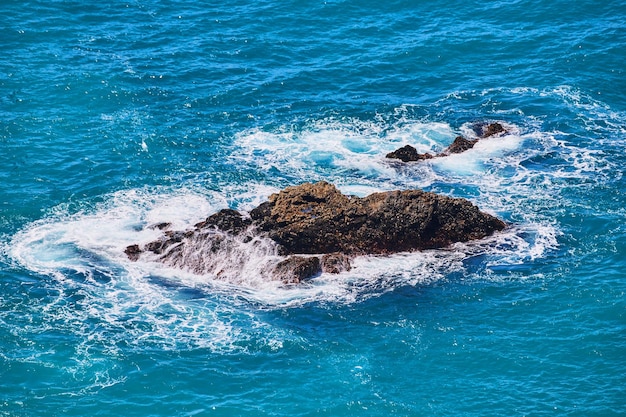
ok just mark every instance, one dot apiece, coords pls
pixel 317 218
pixel 314 228
pixel 489 129
pixel 408 153
pixel 459 145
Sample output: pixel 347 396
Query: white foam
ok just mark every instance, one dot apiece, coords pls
pixel 105 231
pixel 85 249
pixel 351 154
pixel 96 238
pixel 137 301
pixel 348 152
pixel 474 161
pixel 244 270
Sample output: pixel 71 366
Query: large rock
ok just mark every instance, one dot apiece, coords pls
pixel 317 218
pixel 315 228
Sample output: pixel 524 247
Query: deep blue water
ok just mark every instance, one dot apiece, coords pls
pixel 118 115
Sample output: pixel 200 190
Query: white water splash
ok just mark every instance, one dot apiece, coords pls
pixel 518 176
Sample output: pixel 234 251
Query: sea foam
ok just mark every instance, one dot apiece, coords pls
pixel 518 176
pixel 350 153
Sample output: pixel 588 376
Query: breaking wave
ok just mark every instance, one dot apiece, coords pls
pixel 519 177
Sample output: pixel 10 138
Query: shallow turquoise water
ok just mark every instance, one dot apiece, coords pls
pixel 114 116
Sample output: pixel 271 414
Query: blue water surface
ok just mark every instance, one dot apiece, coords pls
pixel 118 115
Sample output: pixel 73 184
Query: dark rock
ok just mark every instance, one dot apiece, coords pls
pixel 408 153
pixel 318 219
pixel 226 220
pixel 484 130
pixel 493 129
pixel 335 263
pixel 296 269
pixel 158 246
pixel 164 243
pixel 133 252
pixel 459 145
pixel 161 226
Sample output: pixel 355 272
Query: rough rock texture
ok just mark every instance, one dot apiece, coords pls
pixel 334 263
pixel 296 269
pixel 226 220
pixel 484 130
pixel 133 252
pixel 459 145
pixel 408 153
pixel 317 219
pixel 492 129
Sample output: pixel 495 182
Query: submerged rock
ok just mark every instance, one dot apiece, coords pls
pixel 317 219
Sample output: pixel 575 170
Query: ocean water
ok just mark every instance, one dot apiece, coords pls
pixel 115 116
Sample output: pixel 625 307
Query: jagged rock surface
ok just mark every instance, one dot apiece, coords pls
pixel 491 129
pixel 459 145
pixel 408 153
pixel 317 219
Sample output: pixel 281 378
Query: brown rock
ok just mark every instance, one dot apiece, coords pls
pixel 408 153
pixel 226 220
pixel 492 129
pixel 133 252
pixel 318 219
pixel 459 145
pixel 297 269
pixel 335 263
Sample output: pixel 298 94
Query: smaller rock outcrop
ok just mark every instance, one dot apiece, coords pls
pixel 491 129
pixel 226 220
pixel 408 153
pixel 133 252
pixel 459 145
pixel 297 269
pixel 334 263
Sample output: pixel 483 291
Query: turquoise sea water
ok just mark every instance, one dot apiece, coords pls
pixel 118 115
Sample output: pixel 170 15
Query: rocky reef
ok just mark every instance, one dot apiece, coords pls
pixel 408 153
pixel 308 229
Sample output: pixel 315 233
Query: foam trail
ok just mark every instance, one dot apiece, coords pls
pixel 351 153
pixel 110 296
pixel 517 176
pixel 57 242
